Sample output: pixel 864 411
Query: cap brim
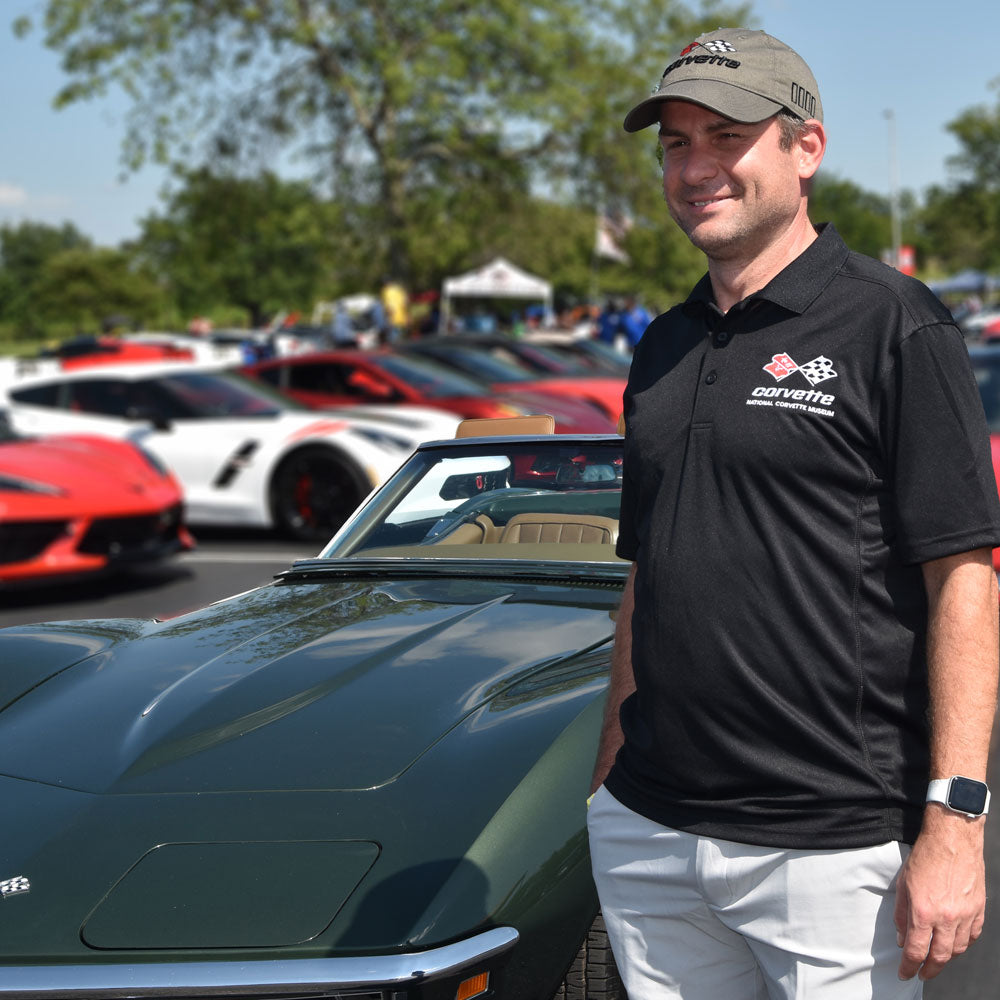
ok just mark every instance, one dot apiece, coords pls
pixel 725 99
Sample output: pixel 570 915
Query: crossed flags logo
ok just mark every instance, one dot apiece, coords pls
pixel 717 48
pixel 14 886
pixel 815 371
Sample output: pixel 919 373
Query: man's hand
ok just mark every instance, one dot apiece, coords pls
pixel 941 893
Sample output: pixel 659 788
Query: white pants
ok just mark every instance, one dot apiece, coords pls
pixel 705 919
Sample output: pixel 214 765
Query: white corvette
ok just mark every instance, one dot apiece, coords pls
pixel 243 456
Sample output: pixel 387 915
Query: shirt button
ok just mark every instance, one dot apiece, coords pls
pixel 710 378
pixel 721 337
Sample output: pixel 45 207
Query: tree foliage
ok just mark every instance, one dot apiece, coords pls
pixel 959 225
pixel 393 102
pixel 862 218
pixel 94 287
pixel 25 251
pixel 260 243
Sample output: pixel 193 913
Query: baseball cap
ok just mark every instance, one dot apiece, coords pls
pixel 742 74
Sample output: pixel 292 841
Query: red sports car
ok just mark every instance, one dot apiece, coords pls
pixel 84 351
pixel 77 505
pixel 346 378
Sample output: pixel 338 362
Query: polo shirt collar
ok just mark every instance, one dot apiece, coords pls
pixel 796 286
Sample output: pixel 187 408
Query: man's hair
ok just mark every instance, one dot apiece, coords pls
pixel 792 129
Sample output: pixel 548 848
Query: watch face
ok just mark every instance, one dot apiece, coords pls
pixel 966 795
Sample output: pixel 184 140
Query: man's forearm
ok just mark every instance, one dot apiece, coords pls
pixel 961 662
pixel 941 893
pixel 620 686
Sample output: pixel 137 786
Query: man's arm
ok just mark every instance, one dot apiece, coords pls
pixel 941 899
pixel 621 685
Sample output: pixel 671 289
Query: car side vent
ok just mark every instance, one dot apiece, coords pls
pixel 235 464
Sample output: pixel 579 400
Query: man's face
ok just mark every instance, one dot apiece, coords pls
pixel 730 187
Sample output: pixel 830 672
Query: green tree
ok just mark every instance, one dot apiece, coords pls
pixel 25 249
pixel 87 288
pixel 959 224
pixel 862 218
pixel 260 243
pixel 394 101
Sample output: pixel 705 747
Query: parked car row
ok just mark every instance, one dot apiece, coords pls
pixel 241 440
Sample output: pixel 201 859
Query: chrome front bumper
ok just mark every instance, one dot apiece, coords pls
pixel 292 977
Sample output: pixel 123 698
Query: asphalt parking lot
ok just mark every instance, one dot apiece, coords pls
pixel 224 563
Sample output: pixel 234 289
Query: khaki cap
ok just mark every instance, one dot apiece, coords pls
pixel 744 75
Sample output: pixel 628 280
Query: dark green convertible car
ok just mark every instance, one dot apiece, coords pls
pixel 365 780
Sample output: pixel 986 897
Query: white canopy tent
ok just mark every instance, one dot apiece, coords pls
pixel 500 279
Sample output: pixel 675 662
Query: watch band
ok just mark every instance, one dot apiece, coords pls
pixel 960 794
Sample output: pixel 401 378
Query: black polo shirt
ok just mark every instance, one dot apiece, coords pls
pixel 788 467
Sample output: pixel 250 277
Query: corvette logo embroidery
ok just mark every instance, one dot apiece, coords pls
pixel 811 400
pixel 815 371
pixel 15 886
pixel 717 48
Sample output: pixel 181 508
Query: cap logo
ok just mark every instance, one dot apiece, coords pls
pixel 719 56
pixel 718 47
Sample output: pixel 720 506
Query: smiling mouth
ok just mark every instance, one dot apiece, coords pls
pixel 709 201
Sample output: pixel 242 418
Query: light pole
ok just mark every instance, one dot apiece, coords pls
pixel 893 187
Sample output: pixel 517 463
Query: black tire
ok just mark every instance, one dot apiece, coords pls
pixel 313 491
pixel 593 974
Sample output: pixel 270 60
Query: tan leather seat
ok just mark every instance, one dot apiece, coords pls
pixel 471 533
pixel 577 529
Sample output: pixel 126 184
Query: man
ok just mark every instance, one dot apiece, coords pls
pixel 806 652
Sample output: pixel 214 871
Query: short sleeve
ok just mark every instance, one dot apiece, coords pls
pixel 937 447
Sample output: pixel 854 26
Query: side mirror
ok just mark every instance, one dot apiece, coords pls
pixel 158 419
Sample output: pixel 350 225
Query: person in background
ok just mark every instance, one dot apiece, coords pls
pixel 396 303
pixel 634 320
pixel 609 323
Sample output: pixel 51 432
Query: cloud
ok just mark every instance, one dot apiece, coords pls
pixel 11 194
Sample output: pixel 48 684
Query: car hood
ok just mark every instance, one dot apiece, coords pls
pixel 340 685
pixel 77 465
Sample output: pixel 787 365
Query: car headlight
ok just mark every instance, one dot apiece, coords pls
pixel 153 461
pixel 17 484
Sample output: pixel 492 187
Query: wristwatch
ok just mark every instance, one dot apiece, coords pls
pixel 961 795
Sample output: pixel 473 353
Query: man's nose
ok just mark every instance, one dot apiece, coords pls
pixel 699 165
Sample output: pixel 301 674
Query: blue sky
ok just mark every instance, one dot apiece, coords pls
pixel 924 61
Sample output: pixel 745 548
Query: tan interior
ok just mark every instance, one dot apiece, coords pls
pixel 538 423
pixel 573 529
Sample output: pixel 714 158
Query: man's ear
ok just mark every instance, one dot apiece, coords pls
pixel 811 147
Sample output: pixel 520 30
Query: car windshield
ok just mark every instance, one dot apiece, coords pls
pixel 538 500
pixel 202 395
pixel 430 378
